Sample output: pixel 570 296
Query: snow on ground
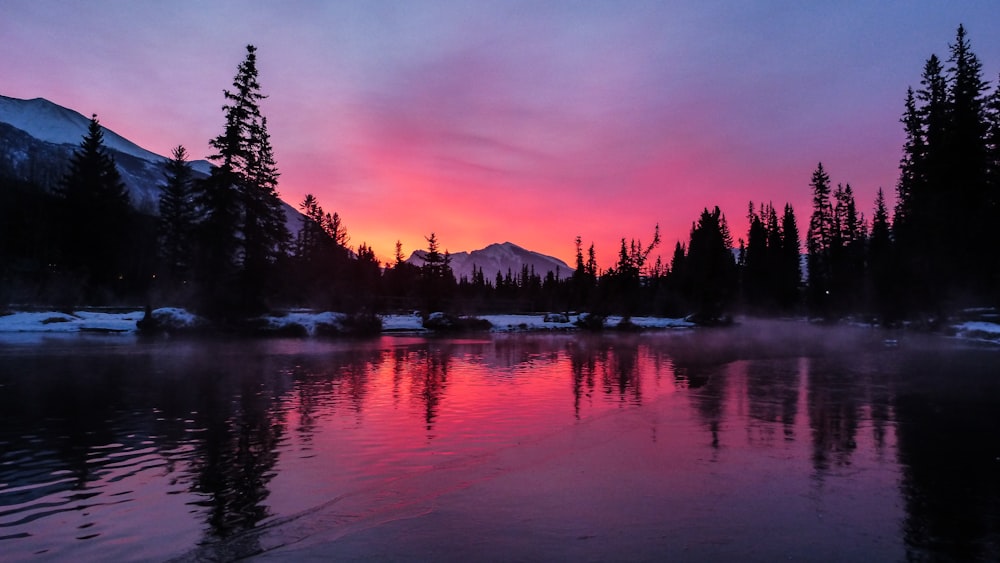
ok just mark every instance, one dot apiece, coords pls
pixel 308 321
pixel 125 322
pixel 81 321
pixel 171 317
pixel 978 330
pixel 401 323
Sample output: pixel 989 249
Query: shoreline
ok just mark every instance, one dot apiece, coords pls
pixel 309 324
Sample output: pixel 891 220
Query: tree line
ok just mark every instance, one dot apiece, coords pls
pixel 222 243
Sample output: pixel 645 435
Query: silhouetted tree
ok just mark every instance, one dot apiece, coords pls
pixel 243 233
pixel 96 216
pixel 944 192
pixel 178 218
pixel 437 281
pixel 819 243
pixel 847 252
pixel 881 269
pixel 790 278
pixel 709 267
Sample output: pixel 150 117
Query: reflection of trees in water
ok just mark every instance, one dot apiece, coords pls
pixel 428 369
pixel 65 411
pixel 621 374
pixel 612 361
pixel 706 384
pixel 235 456
pixel 834 399
pixel 322 384
pixel 583 366
pixel 772 395
pixel 948 424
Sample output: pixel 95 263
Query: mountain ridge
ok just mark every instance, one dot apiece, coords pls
pixel 53 132
pixel 499 257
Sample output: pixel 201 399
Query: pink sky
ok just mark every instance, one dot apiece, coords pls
pixel 526 122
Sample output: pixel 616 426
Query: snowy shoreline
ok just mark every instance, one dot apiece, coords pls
pixel 312 324
pixel 305 322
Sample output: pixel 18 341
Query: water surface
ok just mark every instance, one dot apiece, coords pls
pixel 772 440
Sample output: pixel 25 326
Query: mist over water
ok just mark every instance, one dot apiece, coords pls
pixel 768 440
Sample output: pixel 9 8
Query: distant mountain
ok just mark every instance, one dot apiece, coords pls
pixel 499 258
pixel 37 138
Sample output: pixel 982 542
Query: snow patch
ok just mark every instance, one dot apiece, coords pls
pixel 308 321
pixel 83 321
pixel 978 330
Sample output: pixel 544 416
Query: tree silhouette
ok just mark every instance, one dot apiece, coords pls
pixel 819 243
pixel 178 217
pixel 243 232
pixel 96 216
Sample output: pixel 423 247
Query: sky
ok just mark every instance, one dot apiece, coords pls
pixel 523 121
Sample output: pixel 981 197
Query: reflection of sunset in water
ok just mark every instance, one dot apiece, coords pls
pixel 703 444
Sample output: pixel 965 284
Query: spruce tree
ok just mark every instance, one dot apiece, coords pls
pixel 846 252
pixel 178 217
pixel 819 243
pixel 791 265
pixel 709 267
pixel 755 261
pixel 437 281
pixel 881 268
pixel 967 166
pixel 243 231
pixel 944 190
pixel 97 216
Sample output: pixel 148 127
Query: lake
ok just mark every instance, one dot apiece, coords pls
pixel 770 440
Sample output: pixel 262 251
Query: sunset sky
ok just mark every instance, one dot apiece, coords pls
pixel 532 121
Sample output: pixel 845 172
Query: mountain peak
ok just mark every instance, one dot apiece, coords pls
pixel 498 257
pixel 53 123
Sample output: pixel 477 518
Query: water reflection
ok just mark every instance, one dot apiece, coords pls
pixel 772 391
pixel 948 424
pixel 175 445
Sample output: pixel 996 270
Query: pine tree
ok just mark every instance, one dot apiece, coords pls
pixel 819 242
pixel 791 265
pixel 243 233
pixel 265 236
pixel 710 269
pixel 437 280
pixel 755 261
pixel 944 192
pixel 178 218
pixel 846 252
pixel 967 166
pixel 96 214
pixel 881 268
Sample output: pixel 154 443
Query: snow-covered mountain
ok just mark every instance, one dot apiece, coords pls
pixel 53 123
pixel 54 131
pixel 37 138
pixel 499 258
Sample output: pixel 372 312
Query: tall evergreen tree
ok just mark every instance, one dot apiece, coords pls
pixel 881 268
pixel 847 252
pixel 178 217
pixel 819 243
pixel 943 228
pixel 755 264
pixel 96 214
pixel 709 266
pixel 243 231
pixel 437 281
pixel 966 154
pixel 791 265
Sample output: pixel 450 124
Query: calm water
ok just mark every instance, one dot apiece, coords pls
pixel 763 442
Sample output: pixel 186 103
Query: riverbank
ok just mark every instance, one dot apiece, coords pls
pixel 312 324
pixel 292 323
